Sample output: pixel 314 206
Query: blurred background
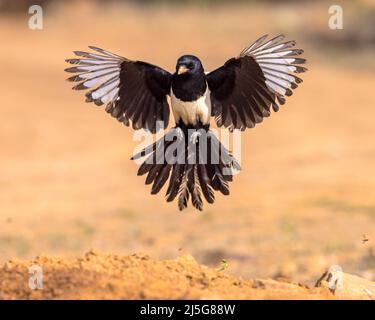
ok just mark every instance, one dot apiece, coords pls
pixel 305 198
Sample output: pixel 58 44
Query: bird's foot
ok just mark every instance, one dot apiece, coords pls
pixel 194 137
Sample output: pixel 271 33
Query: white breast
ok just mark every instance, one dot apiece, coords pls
pixel 192 111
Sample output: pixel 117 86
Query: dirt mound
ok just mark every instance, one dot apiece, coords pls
pixel 108 276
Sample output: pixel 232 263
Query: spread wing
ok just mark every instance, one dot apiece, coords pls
pixel 134 91
pixel 245 88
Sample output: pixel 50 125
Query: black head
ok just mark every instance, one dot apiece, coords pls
pixel 189 65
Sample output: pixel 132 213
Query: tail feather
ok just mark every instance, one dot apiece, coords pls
pixel 161 179
pixel 204 182
pixel 195 180
pixel 166 140
pixel 174 184
pixel 183 197
pixel 144 168
pixel 194 187
pixel 221 182
pixel 153 173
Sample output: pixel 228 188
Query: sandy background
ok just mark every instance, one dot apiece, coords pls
pixel 305 197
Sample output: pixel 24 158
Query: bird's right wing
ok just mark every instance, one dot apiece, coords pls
pixel 134 91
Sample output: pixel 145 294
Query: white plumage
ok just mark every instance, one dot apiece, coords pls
pixel 192 111
pixel 276 61
pixel 99 72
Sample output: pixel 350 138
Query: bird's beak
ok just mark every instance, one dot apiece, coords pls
pixel 182 69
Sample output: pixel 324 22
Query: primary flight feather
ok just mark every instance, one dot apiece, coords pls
pixel 238 95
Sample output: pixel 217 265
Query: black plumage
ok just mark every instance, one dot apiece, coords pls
pixel 239 95
pixel 134 91
pixel 192 84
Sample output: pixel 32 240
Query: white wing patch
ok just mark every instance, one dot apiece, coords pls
pixel 277 61
pixel 100 72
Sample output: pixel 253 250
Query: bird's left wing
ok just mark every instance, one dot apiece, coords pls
pixel 134 91
pixel 245 88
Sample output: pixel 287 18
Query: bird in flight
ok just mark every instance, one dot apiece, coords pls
pixel 238 95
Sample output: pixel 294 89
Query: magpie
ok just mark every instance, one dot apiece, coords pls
pixel 238 95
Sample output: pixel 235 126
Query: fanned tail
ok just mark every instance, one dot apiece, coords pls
pixel 194 169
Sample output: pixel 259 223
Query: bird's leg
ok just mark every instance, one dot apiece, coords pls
pixel 196 133
pixel 194 137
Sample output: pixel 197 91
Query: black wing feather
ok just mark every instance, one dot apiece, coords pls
pixel 245 88
pixel 135 92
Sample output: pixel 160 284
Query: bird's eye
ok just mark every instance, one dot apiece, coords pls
pixel 190 65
